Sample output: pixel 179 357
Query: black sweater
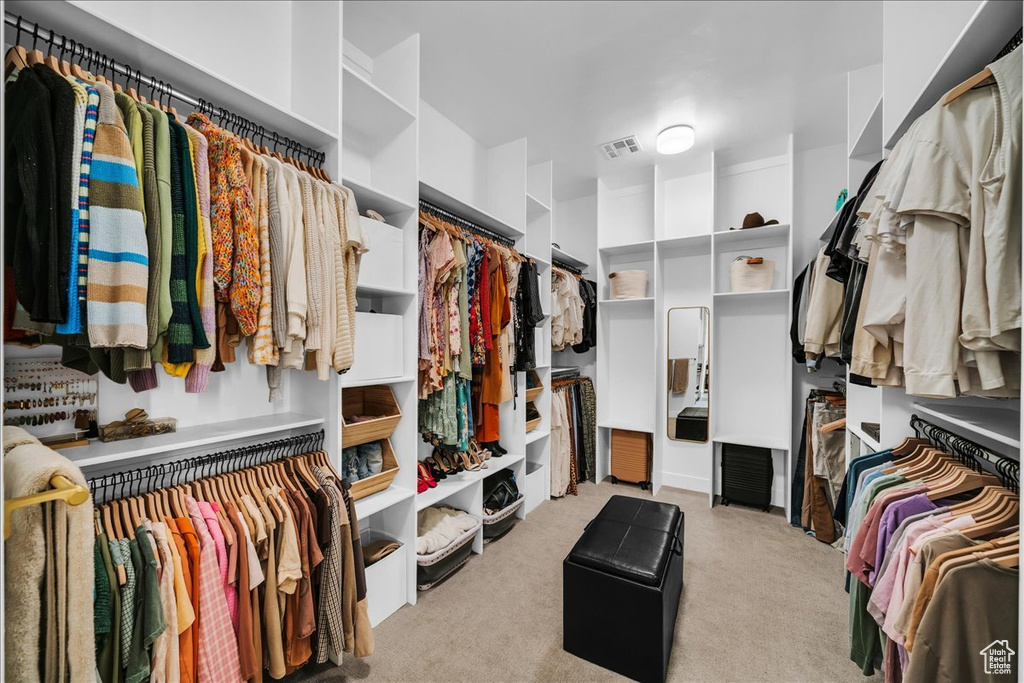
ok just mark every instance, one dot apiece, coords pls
pixel 62 115
pixel 30 202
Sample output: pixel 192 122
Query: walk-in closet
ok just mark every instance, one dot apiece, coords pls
pixel 512 341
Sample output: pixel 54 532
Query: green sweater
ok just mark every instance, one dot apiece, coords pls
pixel 162 145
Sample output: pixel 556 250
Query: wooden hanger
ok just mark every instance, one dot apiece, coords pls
pixel 908 446
pixel 965 480
pixel 991 525
pixel 968 85
pixel 34 57
pixel 16 57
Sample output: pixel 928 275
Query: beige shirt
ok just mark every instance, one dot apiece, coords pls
pixel 824 312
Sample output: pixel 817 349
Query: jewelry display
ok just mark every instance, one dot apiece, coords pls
pixel 47 398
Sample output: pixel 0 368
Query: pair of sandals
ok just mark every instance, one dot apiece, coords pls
pixel 443 462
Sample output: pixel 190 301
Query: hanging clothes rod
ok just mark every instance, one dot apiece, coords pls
pixel 464 224
pixel 566 267
pixel 106 64
pixel 968 452
pixel 62 489
pixel 144 479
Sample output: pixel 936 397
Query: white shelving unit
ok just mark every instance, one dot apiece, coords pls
pixel 380 151
pixel 679 222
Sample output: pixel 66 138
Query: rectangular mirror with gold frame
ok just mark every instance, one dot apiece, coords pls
pixel 688 366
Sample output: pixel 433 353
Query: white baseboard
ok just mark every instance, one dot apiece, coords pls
pixel 685 482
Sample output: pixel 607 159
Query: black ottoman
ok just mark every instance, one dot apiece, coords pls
pixel 620 588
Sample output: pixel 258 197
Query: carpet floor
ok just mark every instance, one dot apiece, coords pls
pixel 761 602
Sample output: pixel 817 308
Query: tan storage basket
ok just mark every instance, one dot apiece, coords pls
pixel 374 400
pixel 532 424
pixel 751 274
pixel 381 480
pixel 532 394
pixel 628 284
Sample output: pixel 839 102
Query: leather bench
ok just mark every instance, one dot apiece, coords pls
pixel 621 585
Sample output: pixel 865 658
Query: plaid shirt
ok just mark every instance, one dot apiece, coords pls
pixel 218 647
pixel 121 554
pixel 330 627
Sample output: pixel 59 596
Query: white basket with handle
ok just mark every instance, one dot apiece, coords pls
pixel 628 284
pixel 751 274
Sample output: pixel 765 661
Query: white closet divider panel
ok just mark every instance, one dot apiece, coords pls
pixel 626 211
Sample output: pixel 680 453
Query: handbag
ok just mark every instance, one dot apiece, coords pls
pixel 751 274
pixel 500 490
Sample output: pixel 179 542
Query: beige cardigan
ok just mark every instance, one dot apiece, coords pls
pixel 66 544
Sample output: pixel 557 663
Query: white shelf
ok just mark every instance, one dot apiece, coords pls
pixel 496 465
pixel 998 424
pixel 737 239
pixel 369 197
pixel 200 436
pixel 376 380
pixel 383 290
pixel 869 142
pixel 468 212
pixel 763 293
pixel 536 435
pixel 369 112
pixel 445 488
pixel 681 246
pixel 642 249
pixel 535 208
pixel 614 424
pixel 540 261
pixel 872 445
pixel 381 500
pixel 759 440
pixel 567 258
pixel 620 302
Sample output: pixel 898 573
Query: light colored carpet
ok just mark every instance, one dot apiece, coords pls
pixel 761 602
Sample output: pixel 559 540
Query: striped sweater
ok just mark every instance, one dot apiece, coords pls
pixel 73 322
pixel 179 349
pixel 118 255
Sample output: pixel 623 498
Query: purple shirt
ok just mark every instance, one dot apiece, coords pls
pixel 891 520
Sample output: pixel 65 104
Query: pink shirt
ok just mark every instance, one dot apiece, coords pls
pixel 213 524
pixel 218 644
pixel 881 596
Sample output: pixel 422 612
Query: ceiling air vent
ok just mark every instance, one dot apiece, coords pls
pixel 620 148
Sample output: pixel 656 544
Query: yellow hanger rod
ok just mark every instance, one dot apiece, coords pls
pixel 63 489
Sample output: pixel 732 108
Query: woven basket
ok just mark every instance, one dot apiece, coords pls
pixel 374 400
pixel 532 394
pixel 628 284
pixel 381 480
pixel 751 274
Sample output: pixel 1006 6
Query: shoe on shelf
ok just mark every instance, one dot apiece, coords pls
pixel 436 470
pixel 496 450
pixel 425 476
pixel 480 452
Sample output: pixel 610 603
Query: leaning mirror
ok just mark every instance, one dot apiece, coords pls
pixel 688 366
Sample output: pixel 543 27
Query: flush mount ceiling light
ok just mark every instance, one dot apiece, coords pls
pixel 675 139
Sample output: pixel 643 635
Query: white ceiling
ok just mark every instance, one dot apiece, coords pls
pixel 570 75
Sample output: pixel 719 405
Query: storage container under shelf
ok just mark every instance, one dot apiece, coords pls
pixel 385 579
pixel 534 386
pixel 536 485
pixel 379 344
pixel 376 401
pixel 379 266
pixel 377 482
pixel 502 521
pixel 434 568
